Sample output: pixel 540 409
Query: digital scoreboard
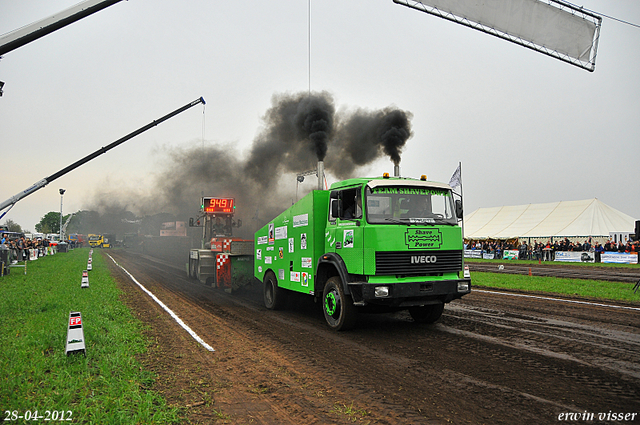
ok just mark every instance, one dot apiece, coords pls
pixel 218 205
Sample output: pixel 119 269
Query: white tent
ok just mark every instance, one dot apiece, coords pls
pixel 557 219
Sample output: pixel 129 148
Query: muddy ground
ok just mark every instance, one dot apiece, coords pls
pixel 493 358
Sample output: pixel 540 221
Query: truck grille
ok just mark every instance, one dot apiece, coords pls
pixel 418 263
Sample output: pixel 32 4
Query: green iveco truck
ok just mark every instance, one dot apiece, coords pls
pixel 367 244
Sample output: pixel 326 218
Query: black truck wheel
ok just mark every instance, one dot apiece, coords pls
pixel 274 296
pixel 338 309
pixel 192 268
pixel 426 313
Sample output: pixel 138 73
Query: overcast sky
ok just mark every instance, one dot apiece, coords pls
pixel 527 128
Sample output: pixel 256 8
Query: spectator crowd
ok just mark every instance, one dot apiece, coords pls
pixel 536 251
pixel 20 247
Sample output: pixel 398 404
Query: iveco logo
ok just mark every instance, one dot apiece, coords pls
pixel 417 259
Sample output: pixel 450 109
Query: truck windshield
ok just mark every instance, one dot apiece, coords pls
pixel 409 205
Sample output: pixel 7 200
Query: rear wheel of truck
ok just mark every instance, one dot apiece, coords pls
pixel 338 309
pixel 426 313
pixel 192 268
pixel 274 296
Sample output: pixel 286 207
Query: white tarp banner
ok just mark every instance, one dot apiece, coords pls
pixel 619 257
pixel 575 256
pixel 551 27
pixel 472 253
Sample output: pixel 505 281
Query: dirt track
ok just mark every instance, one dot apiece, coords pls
pixel 492 358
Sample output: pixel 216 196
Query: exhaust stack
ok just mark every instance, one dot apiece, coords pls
pixel 396 171
pixel 320 175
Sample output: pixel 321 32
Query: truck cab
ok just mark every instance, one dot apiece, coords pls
pixel 95 241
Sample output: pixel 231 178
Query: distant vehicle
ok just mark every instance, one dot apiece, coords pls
pixel 95 241
pixel 206 263
pixel 12 236
pixel 76 238
pixel 109 240
pixel 129 240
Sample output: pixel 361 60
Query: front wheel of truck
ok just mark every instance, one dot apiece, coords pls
pixel 338 309
pixel 426 313
pixel 274 296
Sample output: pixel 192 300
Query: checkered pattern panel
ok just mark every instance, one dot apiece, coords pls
pixel 221 260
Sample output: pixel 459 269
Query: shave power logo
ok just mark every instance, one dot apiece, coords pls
pixel 423 238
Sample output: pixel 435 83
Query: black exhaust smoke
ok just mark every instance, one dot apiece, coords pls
pixel 364 136
pixel 395 130
pixel 299 130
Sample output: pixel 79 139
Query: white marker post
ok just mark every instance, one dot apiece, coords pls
pixel 85 279
pixel 75 334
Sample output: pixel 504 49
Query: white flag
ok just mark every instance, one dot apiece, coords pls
pixel 455 178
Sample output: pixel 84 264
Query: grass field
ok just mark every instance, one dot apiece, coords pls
pixel 109 385
pixel 602 290
pixel 553 263
pixel 574 287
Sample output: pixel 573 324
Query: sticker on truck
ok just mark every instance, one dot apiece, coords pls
pixel 348 239
pixel 301 220
pixel 423 238
pixel 281 232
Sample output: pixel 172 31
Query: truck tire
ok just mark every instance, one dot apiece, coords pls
pixel 192 268
pixel 274 296
pixel 338 308
pixel 427 313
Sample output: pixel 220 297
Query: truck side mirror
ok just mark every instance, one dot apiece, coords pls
pixel 335 208
pixel 239 223
pixel 459 208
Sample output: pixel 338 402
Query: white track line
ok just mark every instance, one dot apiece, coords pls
pixel 167 309
pixel 556 299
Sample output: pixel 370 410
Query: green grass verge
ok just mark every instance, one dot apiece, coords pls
pixel 552 263
pixel 109 385
pixel 598 289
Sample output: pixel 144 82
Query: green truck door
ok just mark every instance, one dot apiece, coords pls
pixel 344 233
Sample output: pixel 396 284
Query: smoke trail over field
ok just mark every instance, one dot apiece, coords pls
pixel 365 136
pixel 299 129
pixel 297 132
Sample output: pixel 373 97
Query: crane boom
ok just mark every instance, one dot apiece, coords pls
pixel 42 183
pixel 21 36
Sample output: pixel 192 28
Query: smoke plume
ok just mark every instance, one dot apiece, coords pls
pixel 364 136
pixel 296 135
pixel 299 129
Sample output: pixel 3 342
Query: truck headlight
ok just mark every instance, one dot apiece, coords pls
pixel 463 287
pixel 381 291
